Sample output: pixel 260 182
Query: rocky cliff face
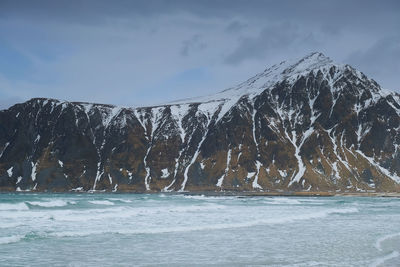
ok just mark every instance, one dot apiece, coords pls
pixel 307 125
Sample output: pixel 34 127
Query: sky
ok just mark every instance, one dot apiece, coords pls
pixel 139 53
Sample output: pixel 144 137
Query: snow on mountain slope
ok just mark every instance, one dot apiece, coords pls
pixel 307 124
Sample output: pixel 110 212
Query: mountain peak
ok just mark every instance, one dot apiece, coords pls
pixel 310 62
pixel 288 70
pixel 295 67
pixel 316 56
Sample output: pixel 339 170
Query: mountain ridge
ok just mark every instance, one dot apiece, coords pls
pixel 308 125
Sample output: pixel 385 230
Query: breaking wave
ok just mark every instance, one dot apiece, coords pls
pixel 10 239
pixel 101 202
pixel 14 206
pixel 120 200
pixel 51 203
pixel 378 243
pixel 218 226
pixel 382 260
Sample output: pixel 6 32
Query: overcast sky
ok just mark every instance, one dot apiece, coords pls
pixel 137 53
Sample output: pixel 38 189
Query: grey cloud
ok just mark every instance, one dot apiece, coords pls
pixel 380 61
pixel 235 26
pixel 193 44
pixel 271 39
pixel 97 11
pixel 125 52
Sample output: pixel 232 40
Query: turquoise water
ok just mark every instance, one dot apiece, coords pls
pixel 148 230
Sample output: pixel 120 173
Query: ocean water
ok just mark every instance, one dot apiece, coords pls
pixel 179 230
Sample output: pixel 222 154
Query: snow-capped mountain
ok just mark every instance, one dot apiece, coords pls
pixel 306 125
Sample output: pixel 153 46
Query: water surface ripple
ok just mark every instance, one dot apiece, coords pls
pixel 163 229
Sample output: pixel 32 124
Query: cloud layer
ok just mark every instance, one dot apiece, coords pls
pixel 149 52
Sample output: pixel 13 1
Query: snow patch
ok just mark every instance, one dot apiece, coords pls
pixel 78 189
pixel 33 173
pixel 4 149
pixel 130 174
pixel 384 171
pixel 282 173
pixel 255 181
pixel 250 174
pixel 202 166
pixel 178 112
pixel 228 160
pixel 115 188
pixel 301 166
pixel 10 171
pixel 165 173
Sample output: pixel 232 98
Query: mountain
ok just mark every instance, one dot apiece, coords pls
pixel 305 125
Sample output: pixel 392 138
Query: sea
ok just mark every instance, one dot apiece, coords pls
pixel 104 229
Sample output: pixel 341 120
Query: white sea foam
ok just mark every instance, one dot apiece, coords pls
pixel 59 215
pixel 120 199
pixel 205 227
pixel 282 201
pixel 14 206
pixel 51 203
pixel 382 260
pixel 10 239
pixel 128 212
pixel 249 221
pixel 191 208
pixel 4 225
pixel 101 202
pixel 203 197
pixel 378 243
pixel 155 212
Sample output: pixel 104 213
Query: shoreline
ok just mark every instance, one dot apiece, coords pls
pixel 297 194
pixel 231 193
